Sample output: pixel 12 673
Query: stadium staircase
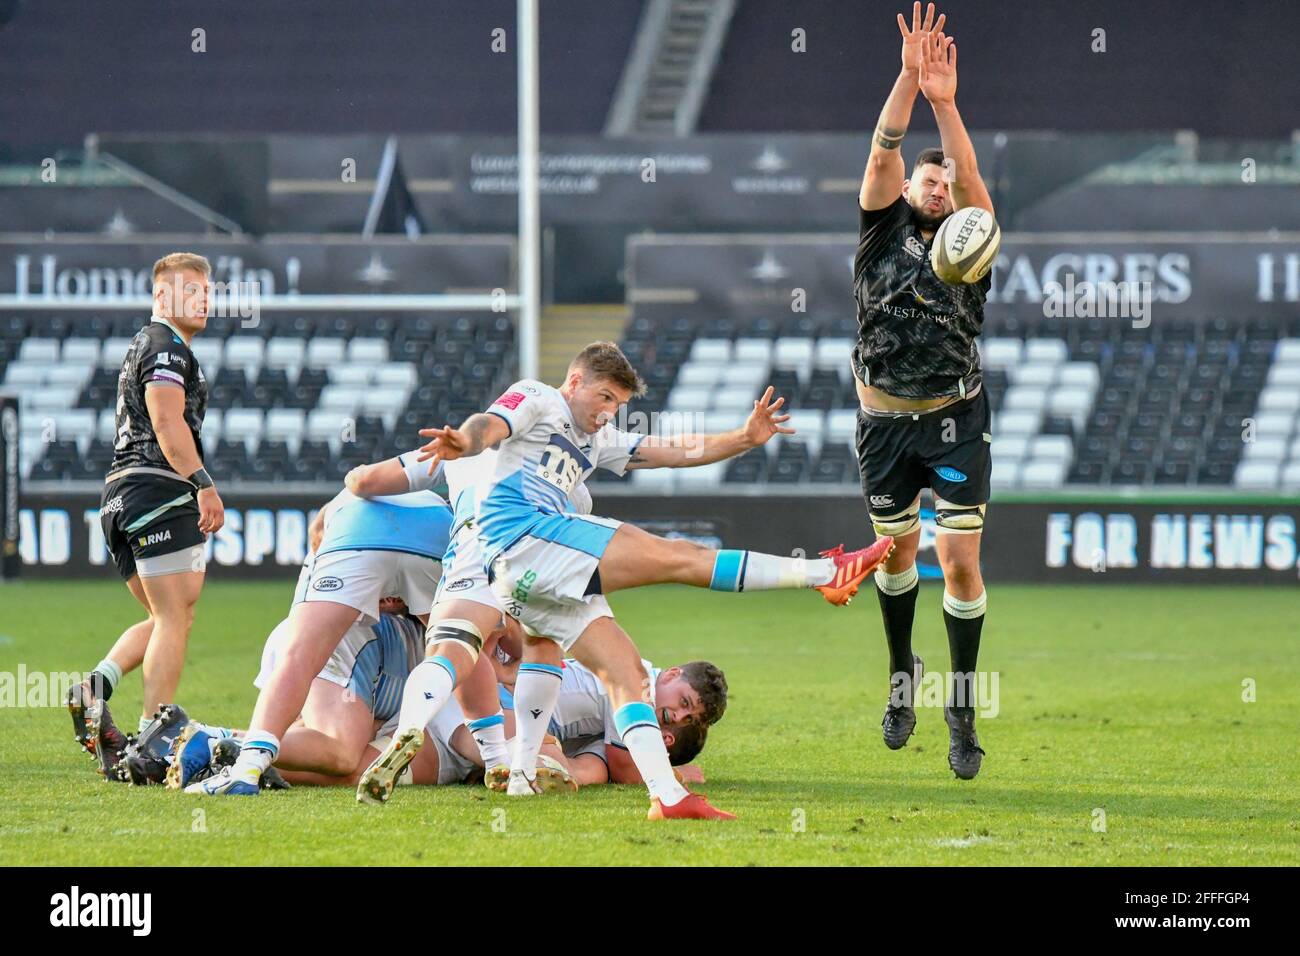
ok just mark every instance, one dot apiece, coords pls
pixel 673 58
pixel 567 328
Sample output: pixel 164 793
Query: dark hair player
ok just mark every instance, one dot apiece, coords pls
pixel 924 418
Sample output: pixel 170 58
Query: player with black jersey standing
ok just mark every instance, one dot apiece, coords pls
pixel 159 504
pixel 924 418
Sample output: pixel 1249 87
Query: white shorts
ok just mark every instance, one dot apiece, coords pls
pixel 542 580
pixel 463 577
pixel 452 766
pixel 360 579
pixel 371 663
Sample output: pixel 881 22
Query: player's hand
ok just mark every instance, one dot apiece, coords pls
pixel 764 421
pixel 212 513
pixel 445 444
pixel 912 39
pixel 938 74
pixel 689 773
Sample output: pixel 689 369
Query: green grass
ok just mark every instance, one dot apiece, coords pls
pixel 1127 700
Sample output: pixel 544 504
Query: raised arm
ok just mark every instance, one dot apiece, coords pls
pixel 882 182
pixel 689 451
pixel 938 79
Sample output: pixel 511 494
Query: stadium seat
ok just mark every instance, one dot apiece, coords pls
pixel 1284 376
pixel 793 354
pixel 208 352
pixel 357 375
pixel 842 425
pixel 367 350
pixel 244 425
pixel 1033 375
pixel 1045 351
pixel 243 352
pixel 23 375
pixel 1011 448
pixel 1287 352
pixel 324 353
pixel 689 399
pixel 78 375
pixel 284 425
pixel 1290 477
pixel 1001 352
pixel 1270 448
pixel 754 351
pixel 1258 475
pixel 1024 398
pixel 1043 474
pixel 397 375
pixel 700 374
pixel 341 399
pixel 747 377
pixel 715 351
pixel 80 351
pixel 286 353
pixel 1017 423
pixel 39 351
pixel 1279 399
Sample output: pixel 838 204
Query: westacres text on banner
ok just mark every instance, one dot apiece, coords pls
pixel 1032 541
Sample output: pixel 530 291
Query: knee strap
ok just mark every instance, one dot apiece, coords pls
pixel 958 519
pixel 897 525
pixel 458 631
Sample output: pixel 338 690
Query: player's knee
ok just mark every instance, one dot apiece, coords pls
pixel 456 632
pixel 899 524
pixel 958 519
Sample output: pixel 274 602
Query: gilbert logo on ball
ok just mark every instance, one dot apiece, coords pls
pixel 965 246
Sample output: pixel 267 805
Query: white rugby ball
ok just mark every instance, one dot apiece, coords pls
pixel 965 246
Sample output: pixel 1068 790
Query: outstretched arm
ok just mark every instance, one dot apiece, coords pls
pixel 477 433
pixel 882 183
pixel 689 451
pixel 938 79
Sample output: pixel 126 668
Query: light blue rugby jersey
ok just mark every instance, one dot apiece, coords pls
pixel 541 466
pixel 415 523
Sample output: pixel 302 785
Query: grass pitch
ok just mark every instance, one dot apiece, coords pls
pixel 1122 739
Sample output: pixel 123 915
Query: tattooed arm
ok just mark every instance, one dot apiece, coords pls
pixel 882 183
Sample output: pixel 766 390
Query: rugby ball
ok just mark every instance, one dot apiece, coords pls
pixel 965 246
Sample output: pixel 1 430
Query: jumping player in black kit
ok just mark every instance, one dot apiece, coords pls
pixel 159 504
pixel 924 419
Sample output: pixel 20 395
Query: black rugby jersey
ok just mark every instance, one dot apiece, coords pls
pixel 158 357
pixel 916 333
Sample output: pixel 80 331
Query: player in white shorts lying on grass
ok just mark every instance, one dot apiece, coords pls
pixel 368 550
pixel 350 712
pixel 551 568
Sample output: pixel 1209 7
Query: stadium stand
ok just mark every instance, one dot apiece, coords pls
pixel 295 399
pixel 1211 402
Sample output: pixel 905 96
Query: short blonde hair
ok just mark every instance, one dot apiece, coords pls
pixel 176 261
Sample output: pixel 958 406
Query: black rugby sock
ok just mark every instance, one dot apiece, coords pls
pixel 897 594
pixel 964 621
